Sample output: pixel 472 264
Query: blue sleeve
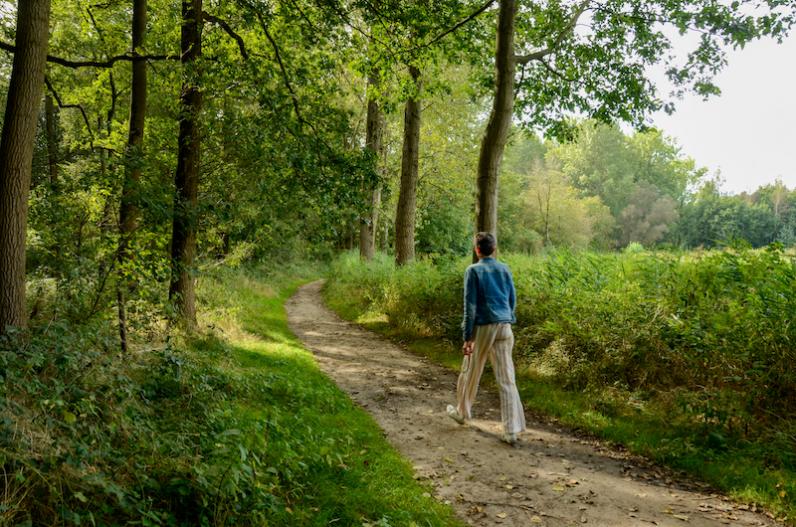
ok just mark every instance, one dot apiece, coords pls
pixel 470 298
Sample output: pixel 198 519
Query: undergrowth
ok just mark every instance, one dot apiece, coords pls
pixel 233 425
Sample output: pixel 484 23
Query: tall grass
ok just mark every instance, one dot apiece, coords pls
pixel 710 321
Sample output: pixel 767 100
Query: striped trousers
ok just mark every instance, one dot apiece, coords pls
pixel 494 341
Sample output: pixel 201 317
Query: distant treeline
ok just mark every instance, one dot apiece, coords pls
pixel 605 190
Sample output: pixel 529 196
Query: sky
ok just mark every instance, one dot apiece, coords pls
pixel 749 131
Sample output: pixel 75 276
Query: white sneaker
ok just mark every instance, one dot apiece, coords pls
pixel 454 414
pixel 511 439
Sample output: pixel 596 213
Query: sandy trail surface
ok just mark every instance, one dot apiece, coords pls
pixel 551 478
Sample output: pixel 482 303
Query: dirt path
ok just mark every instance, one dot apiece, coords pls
pixel 550 479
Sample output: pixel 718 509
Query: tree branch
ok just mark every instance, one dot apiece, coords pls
pixel 542 53
pixel 555 72
pixel 367 34
pixel 229 31
pixel 655 18
pixel 383 20
pixel 522 78
pixel 536 55
pixel 64 106
pixel 285 76
pixel 304 16
pixel 93 63
pixel 453 28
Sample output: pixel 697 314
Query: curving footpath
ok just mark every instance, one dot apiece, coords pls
pixel 551 478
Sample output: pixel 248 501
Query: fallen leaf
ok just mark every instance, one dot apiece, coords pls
pixel 501 515
pixel 681 517
pixel 536 519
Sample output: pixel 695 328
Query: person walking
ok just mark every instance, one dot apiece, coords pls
pixel 489 301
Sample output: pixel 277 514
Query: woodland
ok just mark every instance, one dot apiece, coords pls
pixel 163 163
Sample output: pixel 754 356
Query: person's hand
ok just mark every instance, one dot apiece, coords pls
pixel 467 348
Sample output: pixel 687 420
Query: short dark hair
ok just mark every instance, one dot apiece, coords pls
pixel 486 243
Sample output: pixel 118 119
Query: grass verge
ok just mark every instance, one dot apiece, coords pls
pixel 335 465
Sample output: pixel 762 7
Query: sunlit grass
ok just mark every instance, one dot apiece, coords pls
pixel 356 476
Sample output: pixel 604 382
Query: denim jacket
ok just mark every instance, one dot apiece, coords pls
pixel 489 295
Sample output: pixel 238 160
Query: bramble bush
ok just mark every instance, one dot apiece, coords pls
pixel 87 436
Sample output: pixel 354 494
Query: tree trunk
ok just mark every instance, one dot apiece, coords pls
pixel 16 154
pixel 497 129
pixel 369 225
pixel 374 135
pixel 51 129
pixel 407 199
pixel 186 178
pixel 128 209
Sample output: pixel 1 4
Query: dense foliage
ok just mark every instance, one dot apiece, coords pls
pixel 603 190
pixel 195 429
pixel 606 190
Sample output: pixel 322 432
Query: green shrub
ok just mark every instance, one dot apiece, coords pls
pixel 716 323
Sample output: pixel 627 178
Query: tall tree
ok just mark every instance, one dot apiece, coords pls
pixel 494 140
pixel 186 177
pixel 128 210
pixel 601 71
pixel 407 199
pixel 374 144
pixel 16 154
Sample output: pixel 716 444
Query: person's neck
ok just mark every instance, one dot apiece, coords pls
pixel 484 257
